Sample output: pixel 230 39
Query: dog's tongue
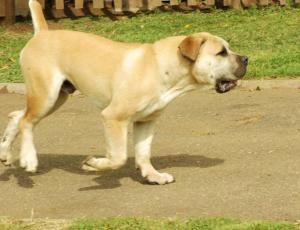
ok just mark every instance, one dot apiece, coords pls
pixel 225 86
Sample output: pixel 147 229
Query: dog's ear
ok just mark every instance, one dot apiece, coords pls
pixel 190 46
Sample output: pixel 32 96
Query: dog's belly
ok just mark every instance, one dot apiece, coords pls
pixel 96 88
pixel 97 97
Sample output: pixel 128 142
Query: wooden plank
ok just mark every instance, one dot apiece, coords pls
pixel 94 11
pixel 2 8
pixel 248 3
pixel 282 2
pixel 118 5
pixel 236 4
pixel 153 4
pixel 59 4
pixel 58 13
pixel 263 2
pixel 75 12
pixel 150 5
pixel 10 9
pixel 134 5
pixel 42 2
pixel 22 4
pixel 192 2
pixel 98 4
pixel 22 7
pixel 210 2
pixel 78 4
pixel 158 2
pixel 108 4
pixel 140 3
pixel 227 3
pixel 174 2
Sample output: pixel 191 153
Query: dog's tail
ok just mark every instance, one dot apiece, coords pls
pixel 38 19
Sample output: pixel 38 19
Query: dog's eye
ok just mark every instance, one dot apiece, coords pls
pixel 223 52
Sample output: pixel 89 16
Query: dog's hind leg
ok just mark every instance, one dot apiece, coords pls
pixel 143 135
pixel 44 95
pixel 9 136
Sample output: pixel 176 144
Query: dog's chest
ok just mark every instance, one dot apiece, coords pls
pixel 156 105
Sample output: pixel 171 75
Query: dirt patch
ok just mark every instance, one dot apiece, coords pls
pixel 24 27
pixel 19 28
pixel 249 119
pixel 36 224
pixel 3 90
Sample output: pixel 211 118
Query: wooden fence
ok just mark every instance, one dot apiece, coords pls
pixel 63 8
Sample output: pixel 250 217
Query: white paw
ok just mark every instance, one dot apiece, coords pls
pixel 92 163
pixel 101 164
pixel 86 166
pixel 7 161
pixel 30 164
pixel 5 157
pixel 160 178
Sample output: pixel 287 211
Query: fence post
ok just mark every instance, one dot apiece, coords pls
pixel 10 17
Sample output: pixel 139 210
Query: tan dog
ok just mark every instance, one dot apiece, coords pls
pixel 128 82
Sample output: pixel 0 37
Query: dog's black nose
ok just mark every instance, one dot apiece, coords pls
pixel 244 60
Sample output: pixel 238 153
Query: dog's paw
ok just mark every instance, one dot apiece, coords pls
pixel 88 168
pixel 88 164
pixel 99 164
pixel 30 165
pixel 160 178
pixel 6 158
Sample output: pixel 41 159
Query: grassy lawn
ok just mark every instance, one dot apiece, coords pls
pixel 186 224
pixel 151 224
pixel 270 36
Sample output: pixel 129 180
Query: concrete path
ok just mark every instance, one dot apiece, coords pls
pixel 233 155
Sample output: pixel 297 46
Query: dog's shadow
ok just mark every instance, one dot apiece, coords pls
pixel 105 179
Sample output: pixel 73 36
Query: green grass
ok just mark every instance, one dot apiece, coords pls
pixel 269 36
pixel 131 223
pixel 178 224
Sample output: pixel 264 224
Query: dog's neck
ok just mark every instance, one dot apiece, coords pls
pixel 175 75
pixel 175 70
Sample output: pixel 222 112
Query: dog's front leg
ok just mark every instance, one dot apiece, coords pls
pixel 116 147
pixel 143 135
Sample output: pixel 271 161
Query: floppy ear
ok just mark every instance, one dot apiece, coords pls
pixel 190 46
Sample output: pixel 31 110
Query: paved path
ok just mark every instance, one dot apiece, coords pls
pixel 233 155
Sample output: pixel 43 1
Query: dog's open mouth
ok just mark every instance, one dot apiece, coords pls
pixel 224 86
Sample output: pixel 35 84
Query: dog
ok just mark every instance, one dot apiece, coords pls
pixel 129 82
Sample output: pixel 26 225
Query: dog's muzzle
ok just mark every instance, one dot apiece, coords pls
pixel 242 66
pixel 223 86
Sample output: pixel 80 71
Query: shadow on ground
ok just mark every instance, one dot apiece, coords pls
pixel 106 179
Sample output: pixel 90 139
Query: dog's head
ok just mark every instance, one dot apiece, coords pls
pixel 213 61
